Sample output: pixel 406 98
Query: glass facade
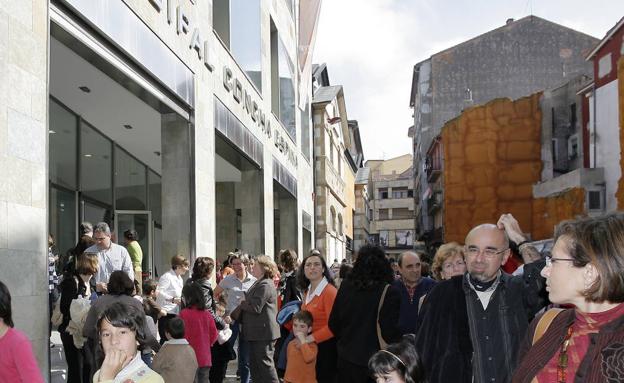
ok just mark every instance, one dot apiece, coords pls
pixel 63 142
pixel 96 165
pixel 83 186
pixel 130 182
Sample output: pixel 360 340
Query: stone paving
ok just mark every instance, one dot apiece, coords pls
pixel 58 370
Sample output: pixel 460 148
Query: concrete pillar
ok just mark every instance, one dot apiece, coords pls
pixel 176 186
pixel 252 210
pixel 225 218
pixel 288 223
pixel 24 168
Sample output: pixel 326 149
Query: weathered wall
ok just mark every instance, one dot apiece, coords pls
pixel 491 160
pixel 619 195
pixel 549 211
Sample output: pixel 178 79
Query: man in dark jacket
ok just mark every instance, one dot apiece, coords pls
pixel 410 287
pixel 470 326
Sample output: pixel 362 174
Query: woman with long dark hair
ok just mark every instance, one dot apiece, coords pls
pixel 319 292
pixel 365 310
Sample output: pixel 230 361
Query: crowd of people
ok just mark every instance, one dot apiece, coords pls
pixel 557 318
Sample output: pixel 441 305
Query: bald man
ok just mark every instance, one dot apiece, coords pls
pixel 470 326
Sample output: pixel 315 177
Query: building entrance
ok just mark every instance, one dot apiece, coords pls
pixel 141 221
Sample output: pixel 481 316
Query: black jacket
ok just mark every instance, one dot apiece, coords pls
pixel 209 301
pixel 444 340
pixel 353 321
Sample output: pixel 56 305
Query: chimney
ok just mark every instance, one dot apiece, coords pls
pixel 509 21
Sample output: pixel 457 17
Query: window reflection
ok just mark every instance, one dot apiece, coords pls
pixel 286 90
pixel 62 219
pixel 237 22
pixel 130 179
pixel 62 133
pixel 95 165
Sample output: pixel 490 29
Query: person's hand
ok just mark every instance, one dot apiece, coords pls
pixel 227 319
pixel 101 287
pixel 176 300
pixel 511 226
pixel 309 339
pixel 301 338
pixel 114 361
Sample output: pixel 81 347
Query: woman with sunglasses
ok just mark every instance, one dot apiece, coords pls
pixel 584 343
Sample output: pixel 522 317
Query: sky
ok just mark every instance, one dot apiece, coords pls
pixel 370 48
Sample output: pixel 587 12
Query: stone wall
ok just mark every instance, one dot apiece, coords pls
pixel 549 211
pixel 491 160
pixel 23 167
pixel 619 195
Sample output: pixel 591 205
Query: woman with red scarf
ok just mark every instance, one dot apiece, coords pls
pixel 584 343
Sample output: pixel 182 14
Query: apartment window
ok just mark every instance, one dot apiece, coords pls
pixel 573 117
pixel 402 213
pixel 237 23
pixel 399 193
pixel 383 193
pixel 282 83
pixel 384 214
pixel 410 194
pixel 595 201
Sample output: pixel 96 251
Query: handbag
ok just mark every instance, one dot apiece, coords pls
pixel 382 343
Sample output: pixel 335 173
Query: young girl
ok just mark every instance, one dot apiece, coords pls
pixel 120 328
pixel 222 351
pixel 201 331
pixel 399 363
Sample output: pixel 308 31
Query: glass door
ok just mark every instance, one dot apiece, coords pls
pixel 141 221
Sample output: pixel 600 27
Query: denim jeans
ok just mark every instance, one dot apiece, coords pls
pixel 243 352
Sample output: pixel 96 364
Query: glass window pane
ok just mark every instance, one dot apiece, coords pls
pixel 95 213
pixel 62 146
pixel 95 165
pixel 305 132
pixel 245 42
pixel 286 91
pixel 155 196
pixel 130 188
pixel 63 219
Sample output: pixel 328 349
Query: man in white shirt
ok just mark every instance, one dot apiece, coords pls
pixel 111 256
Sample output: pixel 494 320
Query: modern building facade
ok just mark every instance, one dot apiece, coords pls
pixel 186 120
pixel 337 157
pixel 392 204
pixel 516 60
pixel 363 210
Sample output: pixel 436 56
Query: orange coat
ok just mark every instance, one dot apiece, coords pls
pixel 301 366
pixel 320 307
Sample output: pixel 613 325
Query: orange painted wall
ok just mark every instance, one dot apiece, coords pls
pixel 491 160
pixel 619 195
pixel 548 212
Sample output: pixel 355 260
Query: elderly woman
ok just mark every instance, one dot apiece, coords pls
pixel 448 261
pixel 257 314
pixel 365 314
pixel 584 343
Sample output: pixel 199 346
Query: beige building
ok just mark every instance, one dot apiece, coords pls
pixel 337 156
pixel 392 204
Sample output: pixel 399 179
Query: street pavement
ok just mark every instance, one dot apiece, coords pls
pixel 58 366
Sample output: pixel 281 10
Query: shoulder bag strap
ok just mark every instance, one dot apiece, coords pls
pixel 382 342
pixel 544 323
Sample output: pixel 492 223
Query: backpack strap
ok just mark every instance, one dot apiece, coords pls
pixel 544 322
pixel 382 342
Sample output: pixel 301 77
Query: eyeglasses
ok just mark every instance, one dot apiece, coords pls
pixel 550 260
pixel 447 266
pixel 488 252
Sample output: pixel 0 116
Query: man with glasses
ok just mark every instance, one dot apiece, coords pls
pixel 111 256
pixel 470 326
